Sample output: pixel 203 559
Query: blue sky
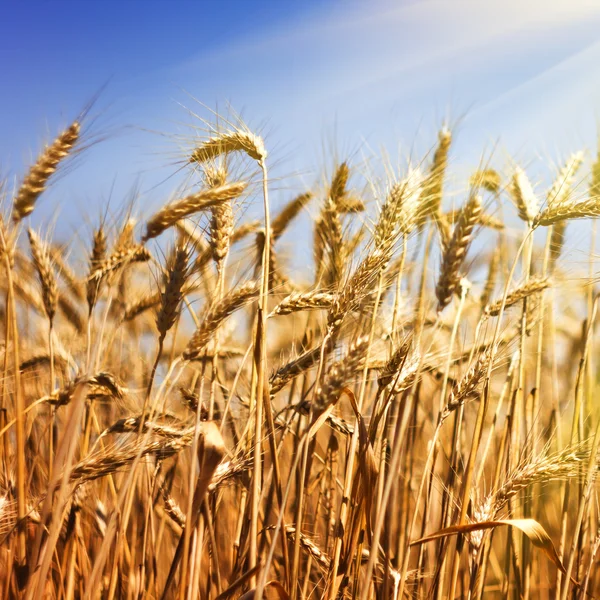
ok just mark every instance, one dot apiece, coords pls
pixel 520 79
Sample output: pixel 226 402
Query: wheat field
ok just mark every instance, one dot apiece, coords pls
pixel 412 415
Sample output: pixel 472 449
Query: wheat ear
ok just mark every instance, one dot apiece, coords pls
pixel 216 315
pixel 180 209
pixel 97 257
pixel 533 286
pixel 288 214
pixel 456 251
pixel 431 196
pixel 43 267
pixel 172 296
pixel 228 142
pixel 524 196
pixel 37 178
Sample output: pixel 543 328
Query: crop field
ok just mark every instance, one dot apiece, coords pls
pixel 414 414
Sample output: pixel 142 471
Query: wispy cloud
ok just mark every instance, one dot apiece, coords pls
pixel 381 61
pixel 386 72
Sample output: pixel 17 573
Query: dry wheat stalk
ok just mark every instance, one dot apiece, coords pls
pixel 350 204
pixel 544 468
pixel 134 424
pixel 99 386
pixel 221 230
pixel 311 547
pixel 36 180
pixel 339 183
pixel 407 373
pixel 557 239
pixel 8 238
pixel 42 359
pixel 444 230
pixel 484 220
pixel 330 232
pixel 411 198
pixel 113 459
pixel 391 219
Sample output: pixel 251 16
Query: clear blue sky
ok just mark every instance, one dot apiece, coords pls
pixel 518 76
